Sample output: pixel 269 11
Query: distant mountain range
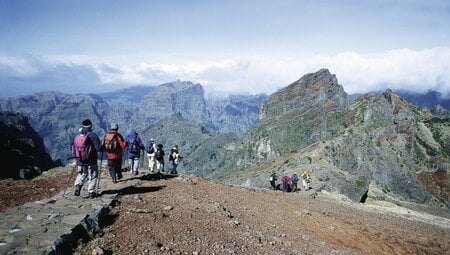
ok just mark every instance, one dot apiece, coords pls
pixel 57 116
pixel 373 146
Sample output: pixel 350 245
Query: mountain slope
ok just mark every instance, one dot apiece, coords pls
pixel 378 148
pixel 203 151
pixel 57 117
pixel 302 113
pixel 388 150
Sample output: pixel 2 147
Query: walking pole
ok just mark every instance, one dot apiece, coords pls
pixel 99 173
pixel 141 159
pixel 70 176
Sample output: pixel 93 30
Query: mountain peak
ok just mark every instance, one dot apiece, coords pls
pixel 309 90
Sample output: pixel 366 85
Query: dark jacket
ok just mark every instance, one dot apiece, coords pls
pixel 131 138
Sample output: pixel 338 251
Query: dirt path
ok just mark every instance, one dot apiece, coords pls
pixel 188 215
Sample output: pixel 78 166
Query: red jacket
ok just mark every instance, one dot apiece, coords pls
pixel 122 144
pixel 285 179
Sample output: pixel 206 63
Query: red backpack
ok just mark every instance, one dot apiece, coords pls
pixel 82 147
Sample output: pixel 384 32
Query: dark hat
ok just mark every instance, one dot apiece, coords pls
pixel 87 123
pixel 114 126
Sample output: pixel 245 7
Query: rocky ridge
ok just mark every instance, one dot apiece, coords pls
pixel 379 147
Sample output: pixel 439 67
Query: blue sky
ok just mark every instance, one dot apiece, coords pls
pixel 229 46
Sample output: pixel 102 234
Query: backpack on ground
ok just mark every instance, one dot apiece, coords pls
pixel 111 143
pixel 133 146
pixel 82 147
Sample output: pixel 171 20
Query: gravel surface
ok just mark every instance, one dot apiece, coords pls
pixel 189 215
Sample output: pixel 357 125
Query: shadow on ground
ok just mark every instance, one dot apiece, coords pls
pixel 133 190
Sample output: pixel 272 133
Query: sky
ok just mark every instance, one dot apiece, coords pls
pixel 229 47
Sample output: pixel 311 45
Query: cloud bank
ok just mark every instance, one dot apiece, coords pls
pixel 418 71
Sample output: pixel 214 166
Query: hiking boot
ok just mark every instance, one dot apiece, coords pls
pixel 77 190
pixel 92 195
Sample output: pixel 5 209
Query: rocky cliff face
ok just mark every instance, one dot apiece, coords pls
pixel 234 113
pixel 22 149
pixel 304 112
pixel 383 149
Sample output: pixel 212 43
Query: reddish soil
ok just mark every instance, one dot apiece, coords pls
pixel 189 215
pixel 18 192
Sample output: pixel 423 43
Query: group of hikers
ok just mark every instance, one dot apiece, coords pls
pixel 290 184
pixel 86 146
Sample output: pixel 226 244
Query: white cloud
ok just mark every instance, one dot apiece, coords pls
pixel 396 69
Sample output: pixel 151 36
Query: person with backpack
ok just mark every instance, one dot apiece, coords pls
pixel 294 181
pixel 151 149
pixel 113 144
pixel 272 180
pixel 134 146
pixel 85 147
pixel 285 180
pixel 159 156
pixel 173 159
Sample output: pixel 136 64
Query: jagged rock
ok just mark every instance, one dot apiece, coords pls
pixel 22 148
pixel 379 147
pixel 298 115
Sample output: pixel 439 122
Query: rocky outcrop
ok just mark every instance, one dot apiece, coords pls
pixel 386 149
pixel 302 113
pixel 22 149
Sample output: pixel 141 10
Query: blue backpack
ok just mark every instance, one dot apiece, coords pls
pixel 133 146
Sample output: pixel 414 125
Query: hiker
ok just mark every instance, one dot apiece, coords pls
pixel 273 179
pixel 306 180
pixel 114 143
pixel 285 180
pixel 173 159
pixel 134 146
pixel 85 147
pixel 151 149
pixel 159 156
pixel 294 181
